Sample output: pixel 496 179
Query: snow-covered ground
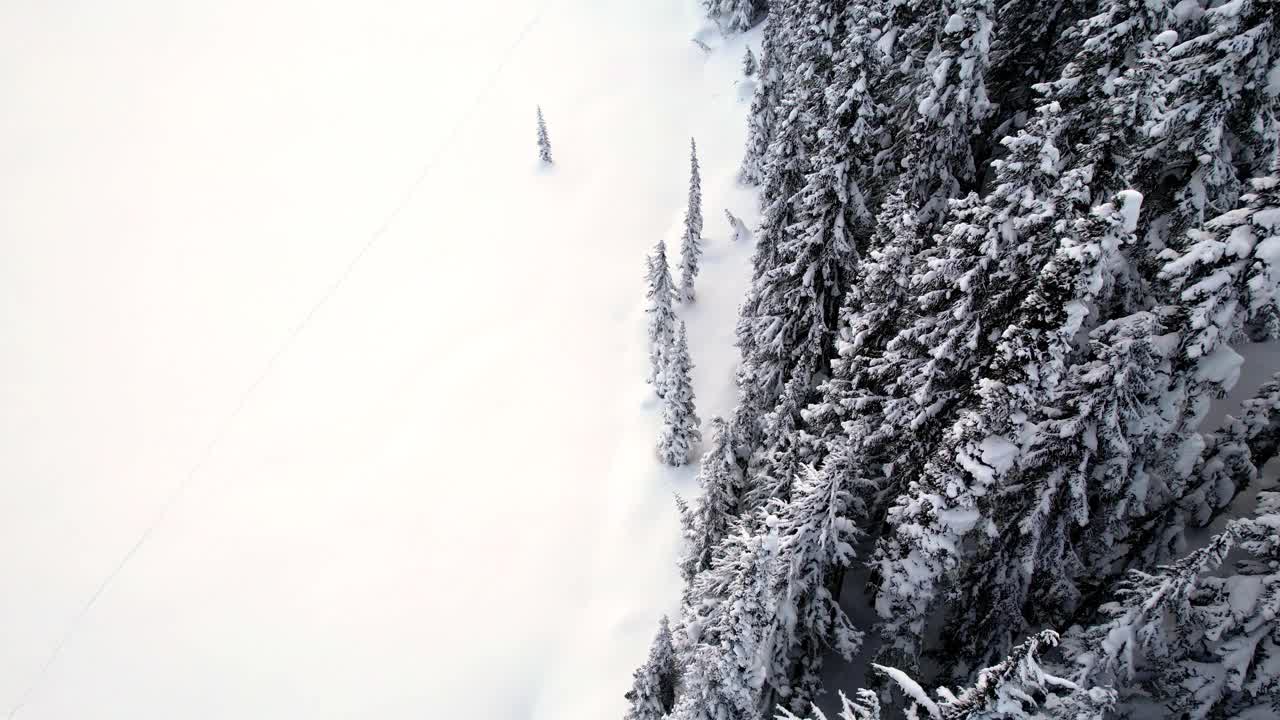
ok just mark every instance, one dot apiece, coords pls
pixel 417 486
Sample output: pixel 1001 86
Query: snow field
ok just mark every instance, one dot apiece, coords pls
pixel 441 499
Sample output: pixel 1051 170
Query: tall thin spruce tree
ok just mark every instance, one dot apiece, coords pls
pixel 764 105
pixel 691 243
pixel 662 317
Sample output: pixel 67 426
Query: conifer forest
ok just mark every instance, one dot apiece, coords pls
pixel 1009 254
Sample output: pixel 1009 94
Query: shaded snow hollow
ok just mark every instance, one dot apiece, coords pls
pixel 442 499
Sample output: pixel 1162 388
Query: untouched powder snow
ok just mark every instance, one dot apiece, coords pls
pixel 441 499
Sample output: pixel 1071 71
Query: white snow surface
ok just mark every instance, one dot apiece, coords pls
pixel 441 498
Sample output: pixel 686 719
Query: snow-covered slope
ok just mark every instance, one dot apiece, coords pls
pixel 421 485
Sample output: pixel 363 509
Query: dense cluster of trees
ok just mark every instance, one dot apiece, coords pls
pixel 1009 253
pixel 669 361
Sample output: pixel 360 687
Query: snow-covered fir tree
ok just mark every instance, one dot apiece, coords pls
pixel 711 516
pixel 1226 288
pixel 815 548
pixel 544 142
pixel 1111 90
pixel 993 247
pixel 922 374
pixel 804 258
pixel 653 685
pixel 906 40
pixel 766 344
pixel 1220 128
pixel 1025 564
pixel 1228 274
pixel 950 103
pixel 974 280
pixel 847 420
pixel 749 63
pixel 836 203
pixel 778 459
pixel 691 242
pixel 679 417
pixel 1111 397
pixel 1232 460
pixel 880 294
pixel 1194 638
pixel 662 318
pixel 1017 688
pixel 1034 351
pixel 764 104
pixel 725 646
pixel 1028 46
pixel 736 15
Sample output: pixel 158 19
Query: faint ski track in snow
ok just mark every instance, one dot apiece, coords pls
pixel 179 490
pixel 445 495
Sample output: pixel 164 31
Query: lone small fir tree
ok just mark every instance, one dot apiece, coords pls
pixel 749 63
pixel 544 142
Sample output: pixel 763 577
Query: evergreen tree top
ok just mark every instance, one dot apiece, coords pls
pixel 659 269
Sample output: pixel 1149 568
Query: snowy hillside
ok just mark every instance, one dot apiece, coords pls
pixel 687 360
pixel 287 298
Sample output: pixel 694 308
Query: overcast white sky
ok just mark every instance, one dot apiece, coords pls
pixel 413 515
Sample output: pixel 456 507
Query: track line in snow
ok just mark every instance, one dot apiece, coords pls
pixel 291 336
